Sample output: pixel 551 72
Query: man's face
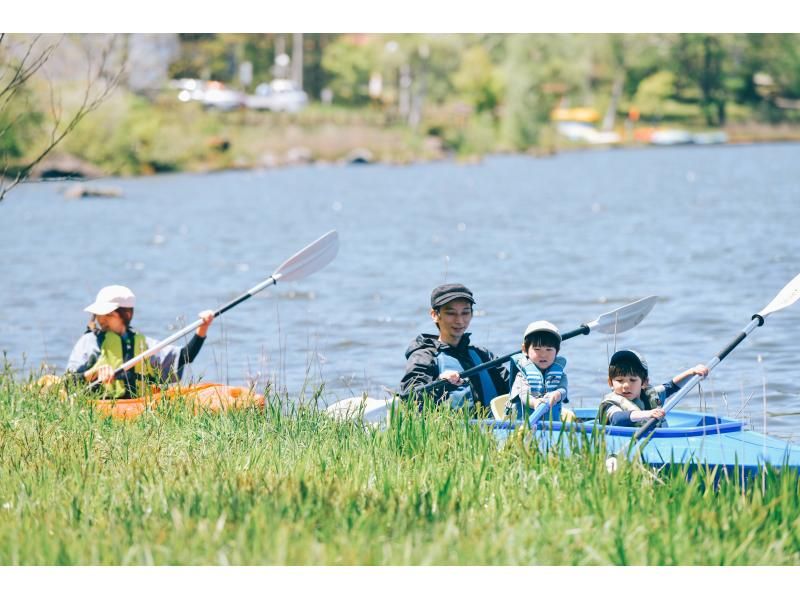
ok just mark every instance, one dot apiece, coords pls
pixel 453 319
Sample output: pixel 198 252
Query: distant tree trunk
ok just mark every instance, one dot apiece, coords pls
pixel 616 94
pixel 404 100
pixel 617 46
pixel 16 71
pixel 420 90
pixel 297 59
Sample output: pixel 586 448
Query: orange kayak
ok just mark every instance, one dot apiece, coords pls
pixel 203 397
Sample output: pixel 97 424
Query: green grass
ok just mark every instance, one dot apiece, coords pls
pixel 289 486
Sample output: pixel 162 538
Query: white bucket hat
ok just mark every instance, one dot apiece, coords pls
pixel 110 298
pixel 541 326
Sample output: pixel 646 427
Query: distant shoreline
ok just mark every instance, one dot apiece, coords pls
pixel 67 168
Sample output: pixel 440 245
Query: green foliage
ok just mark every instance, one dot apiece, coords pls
pixel 129 135
pixel 653 92
pixel 478 81
pixel 289 486
pixel 20 127
pixel 350 64
pixel 781 58
pixel 206 56
pixel 534 84
pixel 476 138
pixel 120 136
pixel 434 59
pixel 700 66
pixel 20 116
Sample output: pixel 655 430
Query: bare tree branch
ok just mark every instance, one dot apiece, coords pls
pixel 98 88
pixel 25 70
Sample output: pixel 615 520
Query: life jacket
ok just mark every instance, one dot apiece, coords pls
pixel 539 383
pixel 463 396
pixel 112 354
pixel 647 399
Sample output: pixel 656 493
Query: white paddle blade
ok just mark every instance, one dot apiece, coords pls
pixel 788 295
pixel 310 259
pixel 624 318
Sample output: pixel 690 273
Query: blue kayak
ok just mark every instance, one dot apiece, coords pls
pixel 690 438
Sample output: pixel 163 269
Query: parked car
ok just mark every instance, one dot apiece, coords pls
pixel 280 95
pixel 190 89
pixel 219 97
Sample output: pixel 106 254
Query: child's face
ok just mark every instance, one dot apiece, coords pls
pixel 112 322
pixel 627 385
pixel 542 357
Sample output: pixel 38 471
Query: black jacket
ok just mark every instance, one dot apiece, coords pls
pixel 422 369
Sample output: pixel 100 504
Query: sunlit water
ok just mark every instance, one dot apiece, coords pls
pixel 713 231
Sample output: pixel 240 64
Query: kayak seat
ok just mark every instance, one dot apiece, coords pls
pixel 498 407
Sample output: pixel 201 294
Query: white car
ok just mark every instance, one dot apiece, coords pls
pixel 190 89
pixel 281 95
pixel 219 97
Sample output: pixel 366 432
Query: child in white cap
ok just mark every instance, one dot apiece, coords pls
pixel 540 373
pixel 109 341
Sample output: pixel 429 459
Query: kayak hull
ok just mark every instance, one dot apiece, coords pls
pixel 202 398
pixel 690 439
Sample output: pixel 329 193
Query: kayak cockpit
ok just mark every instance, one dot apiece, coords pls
pixel 679 424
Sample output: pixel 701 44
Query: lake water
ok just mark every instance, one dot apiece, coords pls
pixel 712 230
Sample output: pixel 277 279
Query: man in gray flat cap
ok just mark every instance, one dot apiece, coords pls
pixel 432 357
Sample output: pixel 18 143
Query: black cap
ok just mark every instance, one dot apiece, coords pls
pixel 448 292
pixel 628 355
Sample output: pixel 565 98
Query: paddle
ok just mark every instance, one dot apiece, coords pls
pixel 788 295
pixel 612 322
pixel 305 262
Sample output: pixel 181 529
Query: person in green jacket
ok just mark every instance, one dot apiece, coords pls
pixel 109 341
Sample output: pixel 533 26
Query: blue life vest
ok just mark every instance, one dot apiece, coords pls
pixel 539 383
pixel 463 396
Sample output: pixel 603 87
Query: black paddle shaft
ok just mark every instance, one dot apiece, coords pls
pixel 120 373
pixel 234 303
pixel 651 423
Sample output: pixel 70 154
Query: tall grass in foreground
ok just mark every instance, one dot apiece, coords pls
pixel 290 486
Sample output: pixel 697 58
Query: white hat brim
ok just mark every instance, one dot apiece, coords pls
pixel 101 308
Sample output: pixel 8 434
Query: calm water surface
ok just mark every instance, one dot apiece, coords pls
pixel 712 231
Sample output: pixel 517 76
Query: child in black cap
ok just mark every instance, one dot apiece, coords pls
pixel 632 401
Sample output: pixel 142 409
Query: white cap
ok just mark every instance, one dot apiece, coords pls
pixel 110 298
pixel 541 326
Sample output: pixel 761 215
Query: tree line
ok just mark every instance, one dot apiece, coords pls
pixel 491 90
pixel 523 76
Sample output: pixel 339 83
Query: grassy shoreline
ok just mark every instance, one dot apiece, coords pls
pixel 289 486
